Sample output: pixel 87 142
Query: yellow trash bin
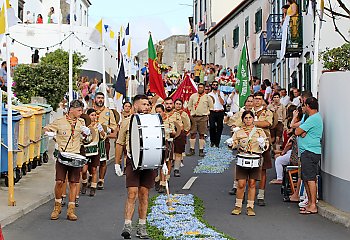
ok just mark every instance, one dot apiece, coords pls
pixel 23 137
pixel 35 135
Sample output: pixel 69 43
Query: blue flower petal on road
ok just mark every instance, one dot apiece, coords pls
pixel 216 160
pixel 178 221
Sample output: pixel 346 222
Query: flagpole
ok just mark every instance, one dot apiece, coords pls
pixel 248 59
pixel 129 69
pixel 71 19
pixel 315 81
pixel 104 65
pixel 11 190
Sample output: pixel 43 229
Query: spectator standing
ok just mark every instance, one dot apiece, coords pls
pixel 3 76
pixel 187 66
pixel 216 117
pixel 35 56
pixel 39 19
pixel 134 84
pixel 268 90
pixel 297 99
pixel 29 18
pixel 256 86
pixel 309 143
pixel 13 60
pixel 285 100
pixel 197 71
pixel 52 18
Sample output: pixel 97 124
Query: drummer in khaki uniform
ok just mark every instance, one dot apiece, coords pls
pixel 199 106
pixel 180 141
pixel 169 126
pixel 263 119
pixel 106 117
pixel 70 131
pixel 249 140
pixel 138 182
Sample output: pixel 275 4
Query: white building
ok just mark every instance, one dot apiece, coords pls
pixel 44 36
pixel 206 13
pixel 224 41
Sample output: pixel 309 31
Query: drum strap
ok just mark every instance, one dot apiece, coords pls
pixel 250 136
pixel 65 148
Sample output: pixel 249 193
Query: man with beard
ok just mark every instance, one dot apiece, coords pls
pixel 138 182
pixel 216 117
pixel 106 117
pixel 199 106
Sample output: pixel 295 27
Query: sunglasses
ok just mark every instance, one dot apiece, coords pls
pixel 214 85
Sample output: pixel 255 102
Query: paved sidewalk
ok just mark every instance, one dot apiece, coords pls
pixel 32 191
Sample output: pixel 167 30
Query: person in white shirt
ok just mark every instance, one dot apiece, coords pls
pixel 297 99
pixel 29 18
pixel 285 100
pixel 187 66
pixel 268 90
pixel 233 101
pixel 216 117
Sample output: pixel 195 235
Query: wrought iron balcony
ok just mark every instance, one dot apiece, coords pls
pixel 294 46
pixel 274 31
pixel 266 56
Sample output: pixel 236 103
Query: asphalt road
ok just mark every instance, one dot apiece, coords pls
pixel 101 217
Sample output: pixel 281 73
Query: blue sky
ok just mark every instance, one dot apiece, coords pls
pixel 162 18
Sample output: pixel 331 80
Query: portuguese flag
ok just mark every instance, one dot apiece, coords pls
pixel 156 84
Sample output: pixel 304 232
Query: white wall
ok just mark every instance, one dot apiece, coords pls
pixel 42 35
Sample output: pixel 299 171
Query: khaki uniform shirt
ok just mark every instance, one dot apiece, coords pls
pixel 264 115
pixel 235 120
pixel 63 131
pixel 123 136
pixel 168 122
pixel 241 137
pixel 200 106
pixel 280 110
pixel 107 118
pixel 185 120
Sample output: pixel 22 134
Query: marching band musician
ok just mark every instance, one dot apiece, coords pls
pixel 169 127
pixel 70 131
pixel 263 119
pixel 180 141
pixel 94 161
pixel 252 140
pixel 138 182
pixel 106 117
pixel 199 106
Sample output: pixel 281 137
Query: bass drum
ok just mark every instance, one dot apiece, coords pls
pixel 147 141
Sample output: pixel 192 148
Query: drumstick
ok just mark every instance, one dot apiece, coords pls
pixel 169 203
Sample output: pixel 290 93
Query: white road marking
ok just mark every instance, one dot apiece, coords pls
pixel 189 183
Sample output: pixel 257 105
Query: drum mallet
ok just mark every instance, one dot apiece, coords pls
pixel 168 202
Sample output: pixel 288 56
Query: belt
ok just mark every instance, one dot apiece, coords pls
pixel 217 110
pixel 199 115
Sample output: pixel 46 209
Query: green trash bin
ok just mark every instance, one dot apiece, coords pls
pixel 44 146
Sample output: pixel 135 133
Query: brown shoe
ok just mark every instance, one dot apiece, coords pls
pixel 92 192
pixel 250 211
pixel 70 213
pixel 83 188
pixel 201 153
pixel 56 211
pixel 191 153
pixel 236 211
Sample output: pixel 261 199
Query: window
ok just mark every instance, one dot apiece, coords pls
pixel 181 48
pixel 246 28
pixel 223 46
pixel 256 70
pixel 236 37
pixel 258 21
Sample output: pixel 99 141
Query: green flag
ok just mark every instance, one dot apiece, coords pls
pixel 243 78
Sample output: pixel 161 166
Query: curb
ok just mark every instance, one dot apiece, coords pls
pixel 44 198
pixel 335 215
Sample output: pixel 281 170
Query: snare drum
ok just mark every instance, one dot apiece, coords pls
pixel 248 160
pixel 147 141
pixel 71 159
pixel 91 149
pixel 102 149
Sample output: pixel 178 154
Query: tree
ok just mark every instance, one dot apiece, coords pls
pixel 48 79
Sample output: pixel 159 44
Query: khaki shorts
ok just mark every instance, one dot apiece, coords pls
pixel 62 170
pixel 139 178
pixel 199 124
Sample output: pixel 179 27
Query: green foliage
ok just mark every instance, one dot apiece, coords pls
pixel 337 58
pixel 48 79
pixel 61 58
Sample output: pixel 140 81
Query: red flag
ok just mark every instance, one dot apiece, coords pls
pixel 1 236
pixel 184 90
pixel 156 84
